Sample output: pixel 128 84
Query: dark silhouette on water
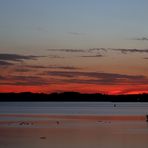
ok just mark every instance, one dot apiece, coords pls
pixel 146 118
pixel 71 97
pixel 58 122
pixel 43 138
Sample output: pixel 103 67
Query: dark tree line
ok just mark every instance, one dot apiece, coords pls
pixel 71 97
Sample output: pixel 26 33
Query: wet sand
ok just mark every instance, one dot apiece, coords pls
pixel 72 131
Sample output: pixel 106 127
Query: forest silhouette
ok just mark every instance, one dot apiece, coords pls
pixel 71 97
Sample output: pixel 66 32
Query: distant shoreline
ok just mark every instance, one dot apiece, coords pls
pixel 70 97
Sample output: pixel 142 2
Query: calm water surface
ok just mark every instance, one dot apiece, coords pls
pixel 95 108
pixel 64 131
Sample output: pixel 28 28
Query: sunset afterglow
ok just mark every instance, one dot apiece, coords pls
pixel 87 46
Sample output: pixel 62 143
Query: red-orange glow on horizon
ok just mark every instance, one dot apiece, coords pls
pixel 82 88
pixel 138 92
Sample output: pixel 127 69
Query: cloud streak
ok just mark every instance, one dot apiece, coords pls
pixel 146 58
pixel 2 78
pixel 74 77
pixel 125 51
pixel 16 57
pixel 4 63
pixel 99 78
pixel 55 57
pixel 98 49
pixel 79 50
pixel 93 56
pixel 52 67
pixel 63 67
pixel 29 80
pixel 67 50
pixel 23 80
pixel 141 39
pixel 22 70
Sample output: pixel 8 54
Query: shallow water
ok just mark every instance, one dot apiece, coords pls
pixel 73 125
pixel 73 133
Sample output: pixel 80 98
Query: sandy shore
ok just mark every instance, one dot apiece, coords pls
pixel 72 131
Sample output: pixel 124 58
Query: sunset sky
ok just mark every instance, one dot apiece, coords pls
pixel 89 46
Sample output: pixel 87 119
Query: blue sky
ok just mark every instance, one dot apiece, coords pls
pixel 31 24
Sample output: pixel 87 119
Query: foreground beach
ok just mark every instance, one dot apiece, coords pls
pixel 72 131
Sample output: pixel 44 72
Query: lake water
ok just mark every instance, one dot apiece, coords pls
pixel 94 108
pixel 73 125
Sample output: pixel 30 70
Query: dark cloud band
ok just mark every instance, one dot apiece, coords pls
pixel 99 78
pixel 141 39
pixel 124 51
pixel 16 57
pixel 67 50
pixel 4 63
